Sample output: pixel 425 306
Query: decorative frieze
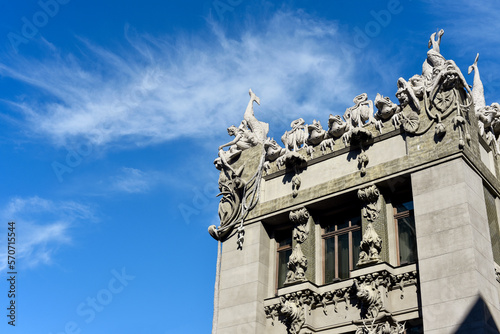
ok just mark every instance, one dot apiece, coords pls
pixel 365 294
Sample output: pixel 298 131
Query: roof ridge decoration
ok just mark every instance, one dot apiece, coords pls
pixel 439 98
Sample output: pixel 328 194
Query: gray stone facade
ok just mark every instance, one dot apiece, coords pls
pixel 392 217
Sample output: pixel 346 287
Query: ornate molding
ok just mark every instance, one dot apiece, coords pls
pixel 365 293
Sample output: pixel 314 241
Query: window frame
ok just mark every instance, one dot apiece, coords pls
pixel 335 234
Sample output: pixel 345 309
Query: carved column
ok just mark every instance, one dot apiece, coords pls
pixel 303 248
pixel 374 227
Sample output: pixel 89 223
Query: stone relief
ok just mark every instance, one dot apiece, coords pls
pixel 364 292
pixel 297 263
pixel 371 244
pixel 231 188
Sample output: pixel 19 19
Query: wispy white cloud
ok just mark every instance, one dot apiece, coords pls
pixel 131 180
pixel 42 227
pixel 164 88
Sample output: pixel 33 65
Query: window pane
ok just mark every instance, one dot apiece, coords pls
pixel 343 224
pixel 404 206
pixel 329 260
pixel 283 257
pixel 329 228
pixel 343 255
pixel 356 221
pixel 284 238
pixel 407 240
pixel 356 241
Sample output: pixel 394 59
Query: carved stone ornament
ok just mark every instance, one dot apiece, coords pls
pixel 297 263
pixel 381 328
pixel 359 116
pixel 386 109
pixel 371 198
pixel 297 266
pixel 294 315
pixel 290 310
pixel 370 298
pixel 365 290
pixel 300 218
pixel 239 195
pixel 371 245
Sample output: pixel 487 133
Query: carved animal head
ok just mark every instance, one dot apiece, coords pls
pixel 386 108
pixel 360 98
pixel 298 123
pixel 315 127
pixel 270 143
pixel 363 294
pixel 336 126
pixel 273 149
pixel 289 309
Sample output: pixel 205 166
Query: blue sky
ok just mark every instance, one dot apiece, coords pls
pixel 112 112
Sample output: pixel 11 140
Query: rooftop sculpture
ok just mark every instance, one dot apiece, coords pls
pixel 425 101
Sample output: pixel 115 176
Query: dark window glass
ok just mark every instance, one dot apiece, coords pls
pixel 343 256
pixel 356 241
pixel 341 241
pixel 284 243
pixel 405 226
pixel 329 259
pixel 283 257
